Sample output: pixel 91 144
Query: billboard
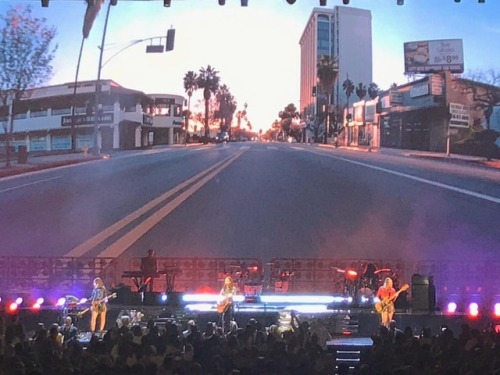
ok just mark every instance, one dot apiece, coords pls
pixel 432 56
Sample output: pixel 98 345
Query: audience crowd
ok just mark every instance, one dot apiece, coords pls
pixel 300 349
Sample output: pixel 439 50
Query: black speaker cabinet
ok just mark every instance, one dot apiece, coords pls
pixel 420 297
pixel 151 298
pixel 423 293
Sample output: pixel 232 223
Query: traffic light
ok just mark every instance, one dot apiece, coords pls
pixel 314 91
pixel 170 40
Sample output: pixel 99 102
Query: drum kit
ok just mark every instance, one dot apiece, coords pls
pixel 250 279
pixel 364 285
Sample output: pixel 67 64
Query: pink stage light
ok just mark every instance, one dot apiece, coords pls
pixel 473 310
pixel 451 308
pixel 496 310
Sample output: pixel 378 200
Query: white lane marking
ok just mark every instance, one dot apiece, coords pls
pixel 29 184
pixel 272 147
pixel 122 244
pixel 95 240
pixel 419 179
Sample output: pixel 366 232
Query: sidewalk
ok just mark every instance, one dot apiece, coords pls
pixel 452 158
pixel 36 163
pixel 40 162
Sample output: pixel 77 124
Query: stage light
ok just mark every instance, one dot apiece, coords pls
pixel 345 2
pixel 496 309
pixel 222 2
pixel 45 3
pixel 322 3
pixel 244 3
pixel 83 300
pixel 61 301
pixel 457 1
pixel 12 307
pixel 481 1
pixel 473 309
pixel 40 301
pixel 167 3
pixel 163 297
pixel 19 300
pixel 290 1
pixel 36 306
pixel 451 308
pixel 401 2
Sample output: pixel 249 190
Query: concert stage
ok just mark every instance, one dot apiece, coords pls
pixel 341 319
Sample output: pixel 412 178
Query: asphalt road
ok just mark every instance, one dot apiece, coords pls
pixel 261 200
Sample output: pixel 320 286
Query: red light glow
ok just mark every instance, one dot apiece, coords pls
pixel 12 307
pixel 351 274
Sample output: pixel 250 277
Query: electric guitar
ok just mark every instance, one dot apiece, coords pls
pixel 97 305
pixel 383 304
pixel 223 306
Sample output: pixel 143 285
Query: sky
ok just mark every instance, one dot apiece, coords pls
pixel 255 49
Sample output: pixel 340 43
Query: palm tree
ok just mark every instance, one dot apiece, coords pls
pixel 348 88
pixel 327 73
pixel 361 90
pixel 225 100
pixel 93 8
pixel 208 80
pixel 373 90
pixel 241 114
pixel 190 86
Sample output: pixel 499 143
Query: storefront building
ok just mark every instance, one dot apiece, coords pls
pixel 419 115
pixel 52 116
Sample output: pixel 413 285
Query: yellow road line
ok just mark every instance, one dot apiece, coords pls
pixel 121 245
pixel 92 242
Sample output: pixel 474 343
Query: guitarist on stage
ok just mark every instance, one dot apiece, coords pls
pixel 98 307
pixel 225 304
pixel 386 294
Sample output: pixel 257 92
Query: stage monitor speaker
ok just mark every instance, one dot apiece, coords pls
pixel 151 298
pixel 125 296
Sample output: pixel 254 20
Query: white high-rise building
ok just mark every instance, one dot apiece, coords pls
pixel 342 32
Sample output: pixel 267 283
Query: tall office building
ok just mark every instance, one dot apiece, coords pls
pixel 342 32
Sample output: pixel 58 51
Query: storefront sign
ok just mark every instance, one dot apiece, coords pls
pixel 105 118
pixel 419 90
pixel 396 97
pixel 460 116
pixel 436 83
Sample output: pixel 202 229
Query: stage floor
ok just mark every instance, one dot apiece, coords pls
pixel 342 321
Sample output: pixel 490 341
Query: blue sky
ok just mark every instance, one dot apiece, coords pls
pixel 255 48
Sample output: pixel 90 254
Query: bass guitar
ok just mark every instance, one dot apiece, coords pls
pixel 97 305
pixel 383 304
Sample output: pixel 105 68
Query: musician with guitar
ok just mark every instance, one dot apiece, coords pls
pixel 98 309
pixel 225 305
pixel 387 295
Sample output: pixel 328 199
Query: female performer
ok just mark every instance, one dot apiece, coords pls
pixel 386 294
pixel 98 305
pixel 225 305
